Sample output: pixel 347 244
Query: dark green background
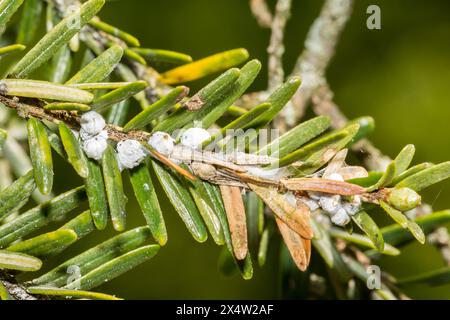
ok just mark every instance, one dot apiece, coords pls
pixel 400 75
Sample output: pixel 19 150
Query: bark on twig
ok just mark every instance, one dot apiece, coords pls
pixel 15 290
pixel 276 46
pixel 320 46
pixel 261 12
pixel 26 110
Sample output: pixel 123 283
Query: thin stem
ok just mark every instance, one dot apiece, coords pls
pixel 319 49
pixel 228 171
pixel 70 118
pixel 276 46
pixel 15 290
pixel 261 12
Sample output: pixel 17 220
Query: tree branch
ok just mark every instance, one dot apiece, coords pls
pixel 15 290
pixel 276 46
pixel 320 46
pixel 26 110
pixel 261 12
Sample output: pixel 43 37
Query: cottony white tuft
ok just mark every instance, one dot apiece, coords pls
pixel 95 147
pixel 341 218
pixel 92 123
pixel 86 136
pixel 271 174
pixel 315 195
pixel 129 153
pixel 335 176
pixel 291 199
pixel 352 207
pixel 194 137
pixel 161 142
pixel 330 204
pixel 310 203
pixel 75 133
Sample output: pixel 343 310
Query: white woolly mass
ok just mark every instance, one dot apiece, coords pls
pixel 86 136
pixel 95 139
pixel 271 174
pixel 161 142
pixel 352 207
pixel 335 176
pixel 335 206
pixel 75 133
pixel 291 199
pixel 341 218
pixel 92 123
pixel 310 203
pixel 330 204
pixel 176 161
pixel 315 195
pixel 130 153
pixel 95 147
pixel 83 135
pixel 193 137
pixel 339 209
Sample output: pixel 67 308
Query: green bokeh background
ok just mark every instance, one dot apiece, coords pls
pixel 400 75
